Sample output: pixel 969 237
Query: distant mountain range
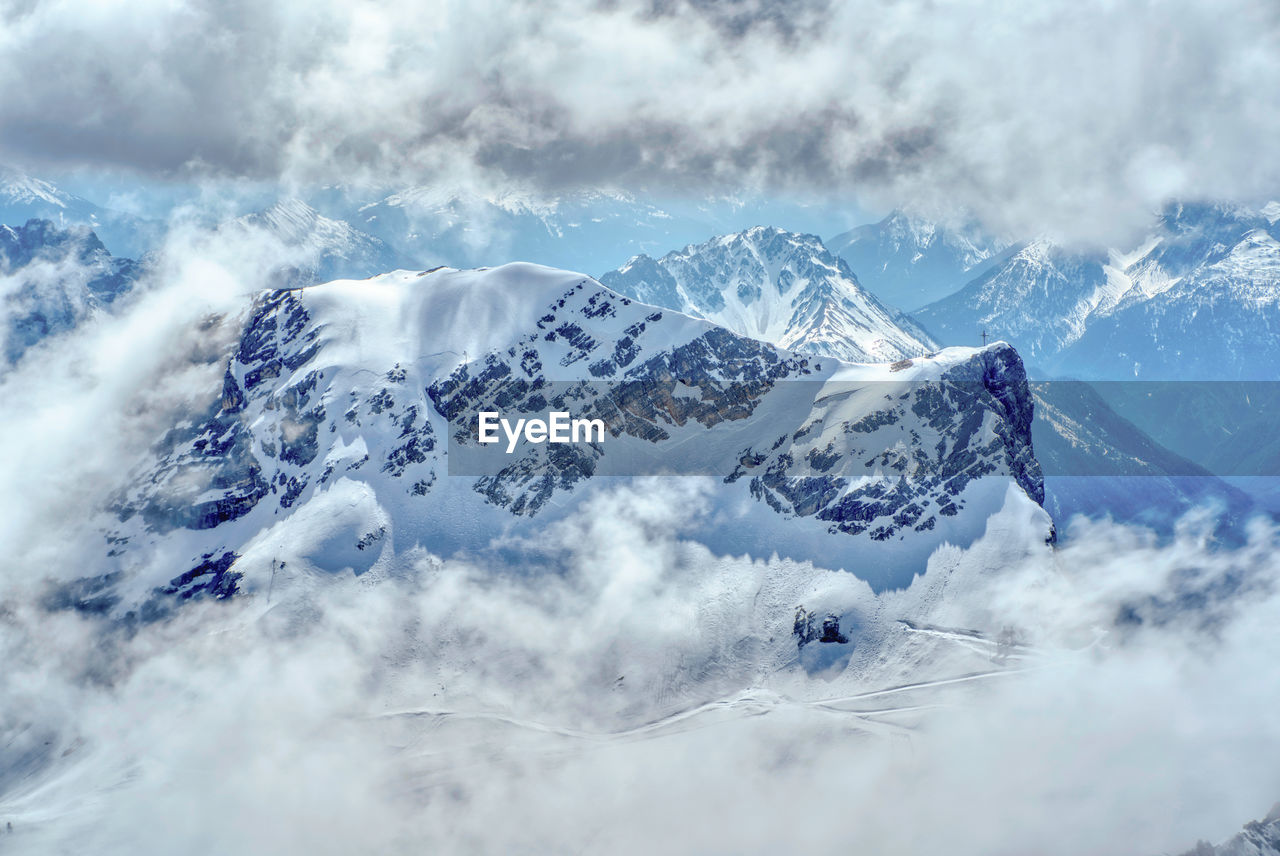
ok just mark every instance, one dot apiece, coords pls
pixel 24 197
pixel 909 261
pixel 1199 299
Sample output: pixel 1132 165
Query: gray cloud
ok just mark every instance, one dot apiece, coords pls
pixel 1080 117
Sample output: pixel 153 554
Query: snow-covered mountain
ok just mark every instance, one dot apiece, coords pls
pixel 1204 304
pixel 346 430
pixel 319 248
pixel 775 286
pixel 1039 297
pixel 586 230
pixel 1258 838
pixel 51 279
pixel 1198 299
pixel 909 261
pixel 24 197
pixel 1096 462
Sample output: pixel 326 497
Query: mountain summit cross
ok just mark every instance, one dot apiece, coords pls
pixel 984 338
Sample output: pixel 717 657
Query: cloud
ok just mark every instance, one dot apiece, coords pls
pixel 614 685
pixel 84 405
pixel 1080 118
pixel 645 695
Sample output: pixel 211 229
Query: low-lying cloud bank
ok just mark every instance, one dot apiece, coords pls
pixel 649 696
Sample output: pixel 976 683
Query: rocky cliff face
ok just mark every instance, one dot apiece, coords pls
pixel 975 420
pixel 371 390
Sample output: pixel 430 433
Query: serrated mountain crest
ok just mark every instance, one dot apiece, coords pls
pixel 775 286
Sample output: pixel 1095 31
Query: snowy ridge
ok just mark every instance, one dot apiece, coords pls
pixel 908 261
pixel 343 404
pixel 774 286
pixel 322 248
pixel 18 188
pixel 1197 298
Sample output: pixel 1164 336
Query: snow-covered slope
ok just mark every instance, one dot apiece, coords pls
pixel 348 419
pixel 777 287
pixel 320 248
pixel 909 261
pixel 51 279
pixel 24 197
pixel 1198 299
pixel 1039 297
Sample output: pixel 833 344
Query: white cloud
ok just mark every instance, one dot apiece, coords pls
pixel 634 692
pixel 1075 117
pixel 646 698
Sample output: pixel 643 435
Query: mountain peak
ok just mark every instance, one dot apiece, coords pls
pixel 356 403
pixel 776 286
pixel 18 188
pixel 908 260
pixel 321 248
